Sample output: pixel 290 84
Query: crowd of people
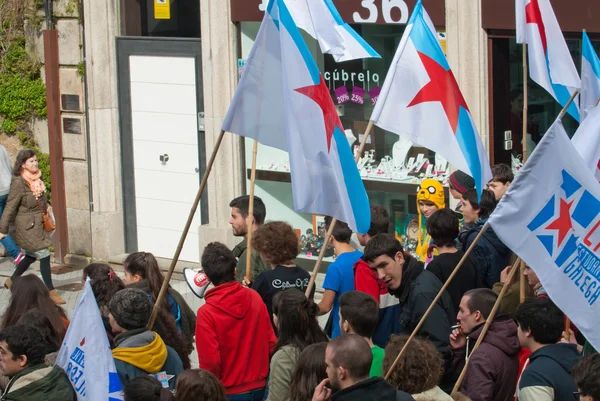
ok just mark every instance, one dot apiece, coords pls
pixel 258 337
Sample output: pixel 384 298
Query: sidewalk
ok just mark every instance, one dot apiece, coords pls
pixel 68 283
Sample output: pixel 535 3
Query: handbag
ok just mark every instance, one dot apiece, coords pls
pixel 49 224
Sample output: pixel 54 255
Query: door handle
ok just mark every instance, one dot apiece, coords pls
pixel 164 158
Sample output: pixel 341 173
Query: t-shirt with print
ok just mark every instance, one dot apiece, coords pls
pixel 269 282
pixel 340 278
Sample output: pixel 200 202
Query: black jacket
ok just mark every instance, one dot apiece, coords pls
pixel 490 254
pixel 548 375
pixel 373 389
pixel 417 290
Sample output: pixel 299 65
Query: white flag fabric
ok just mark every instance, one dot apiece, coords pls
pixel 321 20
pixel 550 217
pixel 587 141
pixel 590 77
pixel 85 354
pixel 420 99
pixel 550 62
pixel 282 101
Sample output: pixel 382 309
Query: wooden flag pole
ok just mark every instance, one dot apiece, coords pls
pixel 567 328
pixel 436 299
pixel 186 229
pixel 250 218
pixel 597 103
pixel 521 265
pixel 522 282
pixel 315 271
pixel 525 103
pixel 488 322
pixel 564 110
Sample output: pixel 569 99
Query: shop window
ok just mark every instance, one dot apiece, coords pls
pixel 161 18
pixel 507 108
pixel 354 87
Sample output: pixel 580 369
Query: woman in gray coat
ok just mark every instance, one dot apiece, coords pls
pixel 26 201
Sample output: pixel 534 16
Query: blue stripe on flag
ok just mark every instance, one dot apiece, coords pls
pixel 543 216
pixel 467 141
pixel 288 22
pixel 354 184
pixel 424 40
pixel 361 41
pixel 334 12
pixel 563 95
pixel 590 54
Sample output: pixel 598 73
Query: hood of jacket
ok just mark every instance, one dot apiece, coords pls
pixel 371 389
pixel 564 354
pixel 40 383
pixel 230 298
pixel 411 270
pixel 490 236
pixel 145 350
pixel 502 334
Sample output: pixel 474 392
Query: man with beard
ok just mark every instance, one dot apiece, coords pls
pixel 348 359
pixel 239 224
pixel 493 367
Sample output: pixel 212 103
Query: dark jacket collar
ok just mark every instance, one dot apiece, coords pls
pixel 410 271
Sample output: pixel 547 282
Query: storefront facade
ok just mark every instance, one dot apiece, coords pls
pixel 480 46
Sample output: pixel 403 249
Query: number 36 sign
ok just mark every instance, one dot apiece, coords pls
pixel 369 11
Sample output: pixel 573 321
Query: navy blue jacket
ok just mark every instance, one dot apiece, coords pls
pixel 548 375
pixel 489 254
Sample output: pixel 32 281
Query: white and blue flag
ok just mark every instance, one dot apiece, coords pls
pixel 85 353
pixel 590 77
pixel 550 217
pixel 321 20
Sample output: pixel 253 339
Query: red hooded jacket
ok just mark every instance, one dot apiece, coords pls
pixel 234 337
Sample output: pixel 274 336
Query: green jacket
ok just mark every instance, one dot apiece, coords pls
pixel 258 265
pixel 22 207
pixel 40 383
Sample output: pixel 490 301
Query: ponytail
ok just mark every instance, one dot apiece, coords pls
pixel 297 318
pixel 145 265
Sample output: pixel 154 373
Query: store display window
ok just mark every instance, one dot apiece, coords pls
pixel 392 167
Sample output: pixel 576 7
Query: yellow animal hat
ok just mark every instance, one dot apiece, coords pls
pixel 432 191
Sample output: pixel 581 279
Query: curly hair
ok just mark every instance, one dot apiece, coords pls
pixel 105 283
pixel 419 369
pixel 199 385
pixel 277 241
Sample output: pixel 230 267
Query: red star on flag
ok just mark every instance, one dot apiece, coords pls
pixel 563 223
pixel 442 88
pixel 320 95
pixel 534 16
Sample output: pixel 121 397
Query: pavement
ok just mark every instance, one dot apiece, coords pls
pixel 68 282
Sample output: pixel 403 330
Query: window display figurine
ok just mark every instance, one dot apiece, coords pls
pixel 400 151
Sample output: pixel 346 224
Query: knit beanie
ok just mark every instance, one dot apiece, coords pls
pixel 462 181
pixel 131 308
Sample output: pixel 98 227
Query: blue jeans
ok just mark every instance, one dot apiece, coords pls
pixel 7 242
pixel 254 395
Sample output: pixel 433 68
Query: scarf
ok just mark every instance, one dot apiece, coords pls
pixel 34 182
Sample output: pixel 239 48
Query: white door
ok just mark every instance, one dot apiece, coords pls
pixel 165 151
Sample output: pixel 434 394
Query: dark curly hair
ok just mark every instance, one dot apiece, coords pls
pixel 25 340
pixel 419 369
pixel 277 241
pixel 146 388
pixel 199 385
pixel 105 283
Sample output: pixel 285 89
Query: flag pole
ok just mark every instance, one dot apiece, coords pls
pixel 315 271
pixel 522 282
pixel 567 327
pixel 436 299
pixel 488 322
pixel 525 102
pixel 564 110
pixel 250 218
pixel 186 229
pixel 521 266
